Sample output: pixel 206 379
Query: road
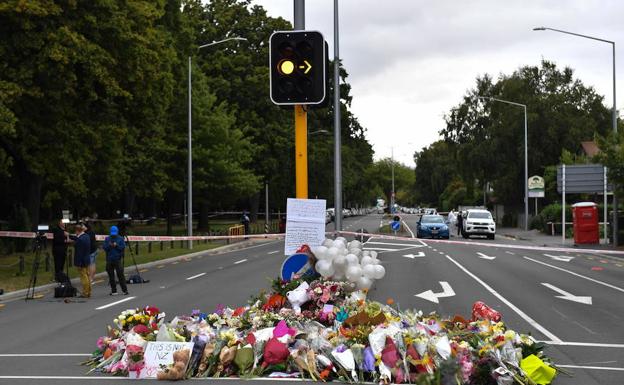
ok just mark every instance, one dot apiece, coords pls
pixel 537 291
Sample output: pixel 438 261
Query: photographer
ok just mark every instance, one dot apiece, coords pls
pixel 59 251
pixel 114 246
pixel 92 252
pixel 82 250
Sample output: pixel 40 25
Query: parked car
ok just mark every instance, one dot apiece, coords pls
pixel 479 222
pixel 432 226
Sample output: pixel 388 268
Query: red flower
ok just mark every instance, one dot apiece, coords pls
pixel 275 352
pixel 239 311
pixel 141 329
pixel 251 339
pixel 390 354
pixel 151 310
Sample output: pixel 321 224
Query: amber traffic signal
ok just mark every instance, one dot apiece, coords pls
pixel 297 67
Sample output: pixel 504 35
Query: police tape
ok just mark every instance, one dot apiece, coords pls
pixel 153 238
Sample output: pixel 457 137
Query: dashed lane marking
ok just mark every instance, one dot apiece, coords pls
pixel 46 355
pixel 273 252
pixel 241 261
pixel 195 276
pixel 115 303
pixel 591 367
pixel 509 252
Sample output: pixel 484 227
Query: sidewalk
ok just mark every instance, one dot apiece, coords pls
pixel 537 238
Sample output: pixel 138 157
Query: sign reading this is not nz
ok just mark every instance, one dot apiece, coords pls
pixel 160 353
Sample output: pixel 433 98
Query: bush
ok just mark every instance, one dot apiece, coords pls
pixel 552 213
pixel 537 222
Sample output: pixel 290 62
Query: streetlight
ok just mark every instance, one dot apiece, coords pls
pixel 613 114
pixel 190 143
pixel 526 157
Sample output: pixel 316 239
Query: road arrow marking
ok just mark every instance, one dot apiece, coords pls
pixel 562 258
pixel 570 297
pixel 412 256
pixel 483 256
pixel 429 295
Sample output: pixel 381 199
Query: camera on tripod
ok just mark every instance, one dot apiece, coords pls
pixel 40 236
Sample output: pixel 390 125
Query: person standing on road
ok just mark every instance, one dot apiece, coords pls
pixel 82 249
pixel 59 251
pixel 460 222
pixel 92 251
pixel 114 246
pixel 245 221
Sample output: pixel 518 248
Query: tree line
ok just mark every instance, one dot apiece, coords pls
pixel 482 144
pixel 93 112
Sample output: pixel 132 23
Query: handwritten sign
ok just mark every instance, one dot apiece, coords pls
pixel 160 353
pixel 305 223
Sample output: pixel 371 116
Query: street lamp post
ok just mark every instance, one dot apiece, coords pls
pixel 392 197
pixel 189 205
pixel 613 114
pixel 526 157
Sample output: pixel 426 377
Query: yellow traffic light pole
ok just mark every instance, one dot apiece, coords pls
pixel 301 151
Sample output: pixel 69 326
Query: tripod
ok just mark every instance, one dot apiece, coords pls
pixel 134 278
pixel 38 245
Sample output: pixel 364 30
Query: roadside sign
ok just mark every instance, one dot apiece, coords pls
pixel 396 226
pixel 160 353
pixel 295 264
pixel 536 187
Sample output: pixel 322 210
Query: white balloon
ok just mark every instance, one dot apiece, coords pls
pixel 380 271
pixel 332 253
pixel 355 244
pixel 366 253
pixel 364 283
pixel 373 254
pixel 320 252
pixel 340 263
pixel 352 259
pixel 338 276
pixel 369 271
pixel 356 252
pixel 366 260
pixel 325 268
pixel 328 243
pixel 354 273
pixel 341 239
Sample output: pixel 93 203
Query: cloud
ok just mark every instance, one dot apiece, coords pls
pixel 410 61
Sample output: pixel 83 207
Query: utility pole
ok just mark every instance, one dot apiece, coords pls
pixel 301 122
pixel 337 137
pixel 392 198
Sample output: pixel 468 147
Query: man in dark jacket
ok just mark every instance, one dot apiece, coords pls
pixel 82 249
pixel 59 250
pixel 114 246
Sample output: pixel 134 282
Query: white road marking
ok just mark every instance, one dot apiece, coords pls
pixel 513 307
pixel 568 296
pixel 115 303
pixel 511 253
pixel 591 367
pixel 562 258
pixel 483 256
pixel 380 249
pixel 273 252
pixel 408 228
pixel 195 276
pixel 46 355
pixel 241 261
pixel 576 274
pixel 429 295
pixel 585 344
pixel 410 245
pixel 412 256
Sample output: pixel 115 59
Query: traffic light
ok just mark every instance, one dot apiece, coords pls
pixel 297 61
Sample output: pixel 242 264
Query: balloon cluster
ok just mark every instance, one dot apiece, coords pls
pixel 347 261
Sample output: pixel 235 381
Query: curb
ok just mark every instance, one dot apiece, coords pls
pixel 8 296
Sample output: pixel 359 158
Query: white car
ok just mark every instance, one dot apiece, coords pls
pixel 479 222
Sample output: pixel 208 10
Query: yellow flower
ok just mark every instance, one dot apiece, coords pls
pixel 123 322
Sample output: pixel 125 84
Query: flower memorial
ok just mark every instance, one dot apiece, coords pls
pixel 323 328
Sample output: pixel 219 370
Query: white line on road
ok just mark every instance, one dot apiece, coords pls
pixel 382 249
pixel 241 261
pixel 513 307
pixel 590 367
pixel 195 276
pixel 46 355
pixel 585 344
pixel 408 228
pixel 273 252
pixel 115 303
pixel 410 245
pixel 511 253
pixel 576 274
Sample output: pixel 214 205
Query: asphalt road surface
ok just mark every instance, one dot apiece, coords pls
pixel 574 301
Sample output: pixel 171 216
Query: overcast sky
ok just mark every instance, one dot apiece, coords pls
pixel 410 61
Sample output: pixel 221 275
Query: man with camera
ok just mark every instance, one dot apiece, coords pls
pixel 59 251
pixel 114 246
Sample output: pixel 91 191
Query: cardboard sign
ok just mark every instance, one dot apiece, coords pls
pixel 161 353
pixel 305 223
